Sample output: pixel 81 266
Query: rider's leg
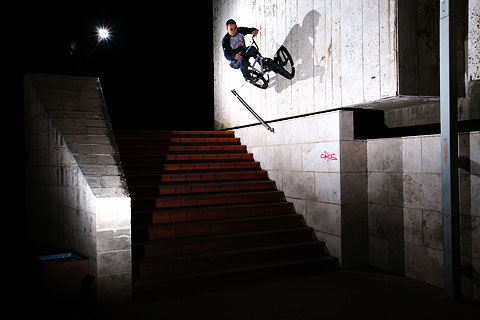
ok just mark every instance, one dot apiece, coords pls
pixel 242 64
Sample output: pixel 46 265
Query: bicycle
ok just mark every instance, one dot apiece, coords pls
pixel 282 64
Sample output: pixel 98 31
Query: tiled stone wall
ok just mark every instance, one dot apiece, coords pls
pixel 77 197
pixel 405 207
pixel 344 53
pixel 322 171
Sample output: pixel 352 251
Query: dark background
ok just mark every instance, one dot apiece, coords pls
pixel 156 72
pixel 156 69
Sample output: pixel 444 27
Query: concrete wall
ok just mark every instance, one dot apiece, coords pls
pixel 322 171
pixel 77 198
pixel 345 53
pixel 405 207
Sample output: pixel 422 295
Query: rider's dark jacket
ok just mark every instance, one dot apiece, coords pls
pixel 233 45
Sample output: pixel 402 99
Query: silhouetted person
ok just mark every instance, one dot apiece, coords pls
pixel 73 63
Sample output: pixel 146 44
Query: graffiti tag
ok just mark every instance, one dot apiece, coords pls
pixel 328 156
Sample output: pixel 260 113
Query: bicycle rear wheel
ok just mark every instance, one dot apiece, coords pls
pixel 277 68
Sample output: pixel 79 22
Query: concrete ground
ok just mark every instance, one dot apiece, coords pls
pixel 345 294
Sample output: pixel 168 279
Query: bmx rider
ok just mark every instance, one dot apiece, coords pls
pixel 233 44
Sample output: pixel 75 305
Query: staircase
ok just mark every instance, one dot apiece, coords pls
pixel 204 212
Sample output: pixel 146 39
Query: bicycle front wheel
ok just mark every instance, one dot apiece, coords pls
pixel 277 68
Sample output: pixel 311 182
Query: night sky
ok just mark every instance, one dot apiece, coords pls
pixel 156 69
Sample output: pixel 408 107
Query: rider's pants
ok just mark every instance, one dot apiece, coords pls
pixel 243 62
pixel 243 65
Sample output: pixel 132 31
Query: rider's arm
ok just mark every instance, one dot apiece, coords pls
pixel 245 30
pixel 228 52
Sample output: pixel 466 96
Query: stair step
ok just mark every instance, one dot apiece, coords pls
pixel 210 227
pixel 196 188
pixel 223 242
pixel 185 284
pixel 219 199
pixel 185 158
pixel 156 141
pixel 221 260
pixel 172 134
pixel 211 212
pixel 163 150
pixel 216 187
pixel 206 200
pixel 190 167
pixel 149 179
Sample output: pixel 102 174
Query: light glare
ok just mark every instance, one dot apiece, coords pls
pixel 103 33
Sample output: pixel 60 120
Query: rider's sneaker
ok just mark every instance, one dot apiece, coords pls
pixel 250 79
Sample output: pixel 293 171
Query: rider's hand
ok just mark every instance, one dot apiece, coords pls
pixel 238 56
pixel 255 32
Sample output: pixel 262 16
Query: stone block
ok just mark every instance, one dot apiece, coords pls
pixel 112 262
pixel 424 264
pixel 413 225
pixel 431 156
pixel 385 221
pixel 113 240
pixel 288 157
pixel 324 217
pixel 299 185
pixel 327 187
pixel 321 157
pixel 384 155
pixel 422 191
pixel 395 189
pixel 328 127
pixel 354 187
pixel 353 156
pixel 377 187
pixel 432 229
pixel 302 130
pixel 111 181
pixel 346 125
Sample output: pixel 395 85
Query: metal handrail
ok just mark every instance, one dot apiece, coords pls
pixel 235 93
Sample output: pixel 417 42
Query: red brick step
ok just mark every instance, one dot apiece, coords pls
pixel 169 247
pixel 156 141
pixel 212 212
pixel 190 167
pixel 221 260
pixel 149 179
pixel 219 199
pixel 163 150
pixel 172 134
pixel 185 158
pixel 210 227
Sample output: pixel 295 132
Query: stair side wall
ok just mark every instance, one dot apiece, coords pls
pixel 76 197
pixel 321 169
